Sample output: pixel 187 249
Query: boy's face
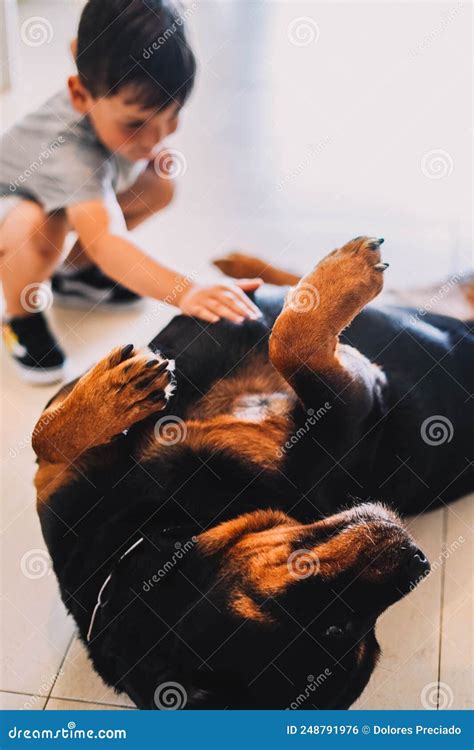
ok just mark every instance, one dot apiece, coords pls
pixel 122 126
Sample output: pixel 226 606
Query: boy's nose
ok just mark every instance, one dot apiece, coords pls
pixel 149 144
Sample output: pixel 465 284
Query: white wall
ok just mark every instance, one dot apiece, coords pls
pixel 303 133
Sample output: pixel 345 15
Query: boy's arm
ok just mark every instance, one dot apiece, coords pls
pixel 102 232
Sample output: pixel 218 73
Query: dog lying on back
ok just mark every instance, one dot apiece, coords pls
pixel 221 508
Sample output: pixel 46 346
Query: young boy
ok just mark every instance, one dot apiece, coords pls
pixel 88 160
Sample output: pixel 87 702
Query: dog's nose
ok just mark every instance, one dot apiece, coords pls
pixel 418 566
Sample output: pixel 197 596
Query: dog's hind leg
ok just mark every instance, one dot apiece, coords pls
pixel 123 388
pixel 304 344
pixel 453 296
pixel 239 266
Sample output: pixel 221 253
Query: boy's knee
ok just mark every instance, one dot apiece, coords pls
pixel 25 217
pixel 29 225
pixel 20 224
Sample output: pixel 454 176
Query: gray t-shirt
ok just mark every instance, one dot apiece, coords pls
pixel 53 156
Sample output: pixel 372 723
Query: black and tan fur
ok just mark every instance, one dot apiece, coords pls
pixel 290 543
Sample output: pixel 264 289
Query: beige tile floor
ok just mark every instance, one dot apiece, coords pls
pixel 289 149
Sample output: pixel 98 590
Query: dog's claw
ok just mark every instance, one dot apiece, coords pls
pixel 145 383
pixel 381 266
pixel 375 243
pixel 157 395
pixel 163 366
pixel 126 351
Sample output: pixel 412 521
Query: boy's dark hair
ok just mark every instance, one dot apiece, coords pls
pixel 140 44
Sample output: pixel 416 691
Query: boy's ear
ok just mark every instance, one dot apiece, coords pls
pixel 73 48
pixel 81 99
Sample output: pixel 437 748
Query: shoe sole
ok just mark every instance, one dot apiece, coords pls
pixel 79 303
pixel 40 377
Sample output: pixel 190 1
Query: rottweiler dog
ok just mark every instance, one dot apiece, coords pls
pixel 222 508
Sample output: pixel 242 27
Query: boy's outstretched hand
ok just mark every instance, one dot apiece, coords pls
pixel 227 300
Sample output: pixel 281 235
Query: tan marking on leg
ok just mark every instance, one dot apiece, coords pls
pixel 306 333
pixel 238 266
pixel 119 391
pixel 49 478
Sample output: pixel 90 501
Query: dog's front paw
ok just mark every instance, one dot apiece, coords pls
pixel 362 258
pixel 128 385
pixel 147 379
pixel 346 280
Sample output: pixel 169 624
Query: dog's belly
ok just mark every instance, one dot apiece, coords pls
pixel 247 415
pixel 257 407
pixel 254 392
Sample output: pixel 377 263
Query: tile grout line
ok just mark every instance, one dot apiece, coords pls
pixel 122 706
pixel 59 670
pixel 69 700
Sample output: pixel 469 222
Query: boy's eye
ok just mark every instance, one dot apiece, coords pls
pixel 134 125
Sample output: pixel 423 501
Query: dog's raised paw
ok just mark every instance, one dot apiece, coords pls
pixel 359 267
pixel 136 382
pixel 146 380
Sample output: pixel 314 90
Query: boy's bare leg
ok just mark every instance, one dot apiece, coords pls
pixel 148 195
pixel 31 246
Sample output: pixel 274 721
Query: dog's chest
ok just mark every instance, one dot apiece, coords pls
pixel 247 416
pixel 258 407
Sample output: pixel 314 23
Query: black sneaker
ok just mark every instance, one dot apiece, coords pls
pixel 35 351
pixel 89 287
